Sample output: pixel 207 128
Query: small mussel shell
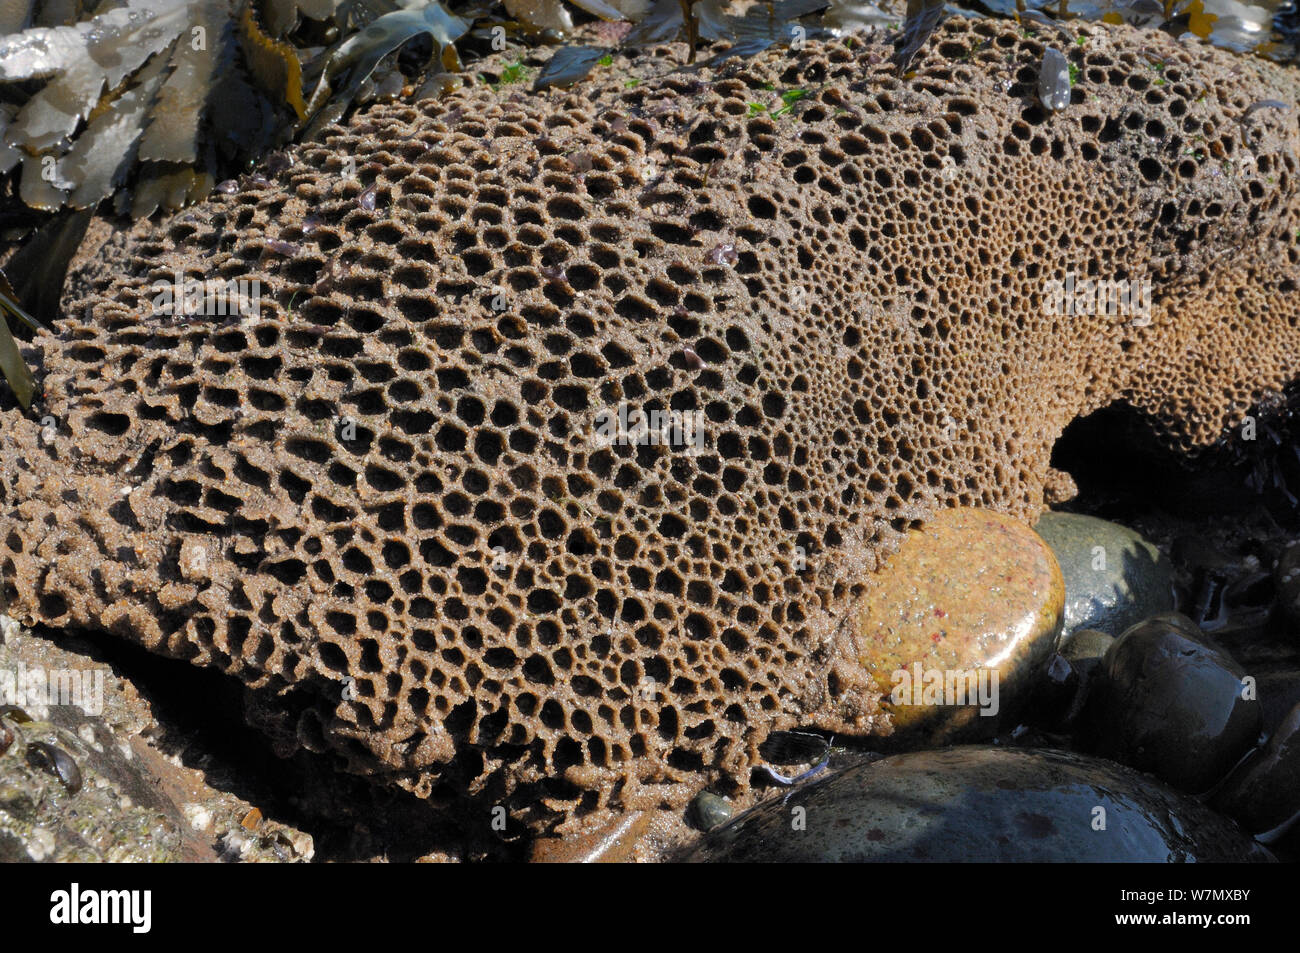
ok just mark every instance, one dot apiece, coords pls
pixel 14 714
pixel 724 254
pixel 278 162
pixel 287 249
pixel 793 747
pixel 55 761
pixel 693 360
pixel 1054 80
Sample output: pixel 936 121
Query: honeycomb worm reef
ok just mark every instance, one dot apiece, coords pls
pixel 383 503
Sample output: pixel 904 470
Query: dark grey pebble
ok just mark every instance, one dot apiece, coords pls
pixel 1169 700
pixel 1114 578
pixel 981 803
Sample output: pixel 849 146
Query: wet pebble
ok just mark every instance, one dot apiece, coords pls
pixel 1084 648
pixel 1279 692
pixel 1114 577
pixel 56 762
pixel 1286 576
pixel 710 810
pixel 1071 676
pixel 1263 792
pixel 981 804
pixel 1170 701
pixel 966 611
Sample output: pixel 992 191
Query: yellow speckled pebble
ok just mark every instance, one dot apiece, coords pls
pixel 967 611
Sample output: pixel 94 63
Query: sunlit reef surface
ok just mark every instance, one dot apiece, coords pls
pixel 471 594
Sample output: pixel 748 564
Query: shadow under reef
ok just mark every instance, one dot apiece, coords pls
pixel 198 720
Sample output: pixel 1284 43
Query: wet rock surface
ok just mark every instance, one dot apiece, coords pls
pixel 1287 578
pixel 981 803
pixel 235 799
pixel 972 593
pixel 1263 792
pixel 1084 648
pixel 130 801
pixel 72 794
pixel 1279 692
pixel 634 837
pixel 1071 673
pixel 1173 702
pixel 1114 577
pixel 73 786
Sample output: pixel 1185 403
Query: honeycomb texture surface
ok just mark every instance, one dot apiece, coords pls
pixel 469 593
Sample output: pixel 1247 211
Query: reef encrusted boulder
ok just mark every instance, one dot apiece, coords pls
pixel 391 501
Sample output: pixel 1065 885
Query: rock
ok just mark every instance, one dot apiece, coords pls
pixel 71 786
pixel 981 804
pixel 264 842
pixel 1114 577
pixel 1084 648
pixel 74 796
pixel 1058 695
pixel 1263 792
pixel 134 802
pixel 1286 576
pixel 1279 692
pixel 709 810
pixel 1169 701
pixel 1071 675
pixel 966 611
